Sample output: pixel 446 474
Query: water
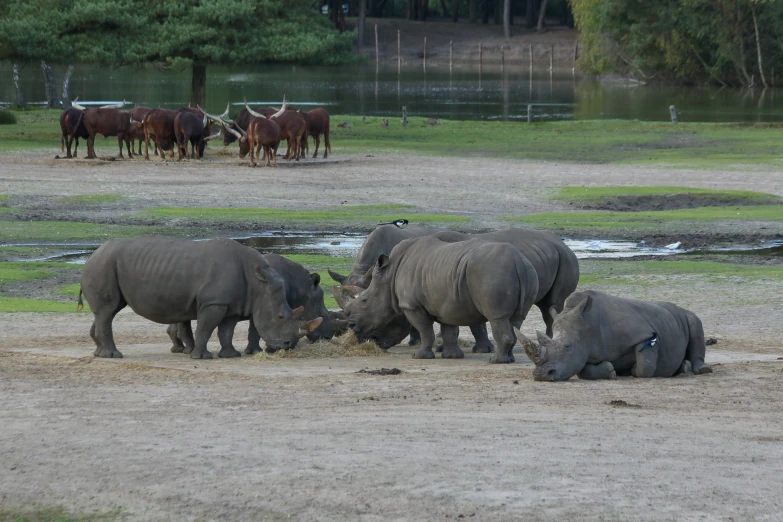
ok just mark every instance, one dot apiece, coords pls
pixel 463 95
pixel 347 245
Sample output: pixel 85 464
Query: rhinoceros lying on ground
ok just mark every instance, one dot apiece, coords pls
pixel 169 280
pixel 555 264
pixel 455 284
pixel 301 289
pixel 599 336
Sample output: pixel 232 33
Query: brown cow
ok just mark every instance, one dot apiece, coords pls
pixel 137 115
pixel 158 124
pixel 72 128
pixel 292 127
pixel 261 132
pixel 318 120
pixel 189 127
pixel 109 122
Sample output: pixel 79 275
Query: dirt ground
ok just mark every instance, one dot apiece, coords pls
pixel 158 436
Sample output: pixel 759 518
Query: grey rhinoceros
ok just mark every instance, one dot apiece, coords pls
pixel 555 264
pixel 455 284
pixel 599 336
pixel 169 280
pixel 302 288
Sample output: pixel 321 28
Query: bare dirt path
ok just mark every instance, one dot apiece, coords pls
pixel 485 190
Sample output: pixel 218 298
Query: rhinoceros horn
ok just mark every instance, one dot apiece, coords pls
pixel 337 277
pixel 553 312
pixel 533 351
pixel 344 294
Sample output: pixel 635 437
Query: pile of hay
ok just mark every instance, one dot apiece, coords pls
pixel 224 151
pixel 344 346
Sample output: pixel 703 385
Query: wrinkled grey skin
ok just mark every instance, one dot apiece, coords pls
pixel 455 284
pixel 301 289
pixel 599 336
pixel 555 264
pixel 169 280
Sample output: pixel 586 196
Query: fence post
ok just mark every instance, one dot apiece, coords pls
pixel 425 54
pixel 551 59
pixel 576 55
pixel 399 57
pixel 377 57
pixel 404 115
pixel 481 56
pixel 502 59
pixel 673 112
pixel 451 54
pixel 530 53
pixel 529 113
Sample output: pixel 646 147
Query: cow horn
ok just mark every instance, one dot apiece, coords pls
pixel 218 119
pixel 136 122
pixel 252 112
pixel 235 133
pixel 337 277
pixel 533 351
pixel 309 326
pixel 278 113
pixel 114 106
pixel 219 133
pixel 228 105
pixel 205 120
pixel 77 106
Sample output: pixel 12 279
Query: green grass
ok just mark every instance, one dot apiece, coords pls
pixel 596 272
pixel 320 264
pixel 700 145
pixel 7 117
pixel 52 515
pixel 28 271
pixel 35 231
pixel 360 213
pixel 649 220
pixel 89 199
pixel 597 194
pixel 22 304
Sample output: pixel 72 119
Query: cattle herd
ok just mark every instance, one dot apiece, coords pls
pixel 168 129
pixel 403 281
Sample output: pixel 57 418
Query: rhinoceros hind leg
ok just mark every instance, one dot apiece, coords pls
pixel 483 344
pixel 451 349
pixel 505 340
pixel 415 337
pixel 686 368
pixel 701 370
pixel 176 344
pixel 604 370
pixel 207 320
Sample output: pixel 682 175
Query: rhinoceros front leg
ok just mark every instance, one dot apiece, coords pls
pixel 207 320
pixel 451 349
pixel 604 370
pixel 423 324
pixel 483 344
pixel 696 349
pixel 226 336
pixel 253 339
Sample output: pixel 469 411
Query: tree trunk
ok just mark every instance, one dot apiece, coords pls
pixel 51 85
pixel 485 14
pixel 198 85
pixel 19 93
pixel 473 11
pixel 758 46
pixel 541 14
pixel 530 13
pixel 66 85
pixel 423 8
pixel 498 11
pixel 454 10
pixel 374 8
pixel 507 18
pixel 360 22
pixel 445 9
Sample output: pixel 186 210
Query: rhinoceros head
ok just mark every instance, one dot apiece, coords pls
pixel 277 324
pixel 565 354
pixel 360 279
pixel 333 323
pixel 369 310
pixel 390 335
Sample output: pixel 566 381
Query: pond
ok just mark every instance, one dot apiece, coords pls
pixel 463 95
pixel 337 244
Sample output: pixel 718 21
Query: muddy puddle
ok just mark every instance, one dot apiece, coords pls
pixel 347 245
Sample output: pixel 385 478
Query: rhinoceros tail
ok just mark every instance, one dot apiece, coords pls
pixel 80 303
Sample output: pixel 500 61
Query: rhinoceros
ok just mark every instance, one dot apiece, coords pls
pixel 169 280
pixel 455 284
pixel 599 336
pixel 555 264
pixel 302 288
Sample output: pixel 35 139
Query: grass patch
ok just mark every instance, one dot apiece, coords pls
pixel 597 194
pixel 7 118
pixel 52 515
pixel 28 271
pixel 34 231
pixel 320 264
pixel 649 220
pixel 89 199
pixel 596 272
pixel 361 213
pixel 702 145
pixel 21 304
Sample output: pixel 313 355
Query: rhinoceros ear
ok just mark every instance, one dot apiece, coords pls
pixel 316 277
pixel 309 326
pixel 383 261
pixel 297 312
pixel 585 305
pixel 337 277
pixel 553 312
pixel 265 273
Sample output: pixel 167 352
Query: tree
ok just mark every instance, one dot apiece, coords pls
pixel 360 24
pixel 507 18
pixel 541 14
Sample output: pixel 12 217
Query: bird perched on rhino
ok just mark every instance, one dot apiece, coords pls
pixel 399 223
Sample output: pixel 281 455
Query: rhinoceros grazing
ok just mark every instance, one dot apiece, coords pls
pixel 302 288
pixel 169 280
pixel 455 284
pixel 599 336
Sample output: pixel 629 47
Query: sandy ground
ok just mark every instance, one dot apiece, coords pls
pixel 485 190
pixel 158 436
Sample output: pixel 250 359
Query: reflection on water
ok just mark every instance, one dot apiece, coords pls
pixel 347 245
pixel 465 94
